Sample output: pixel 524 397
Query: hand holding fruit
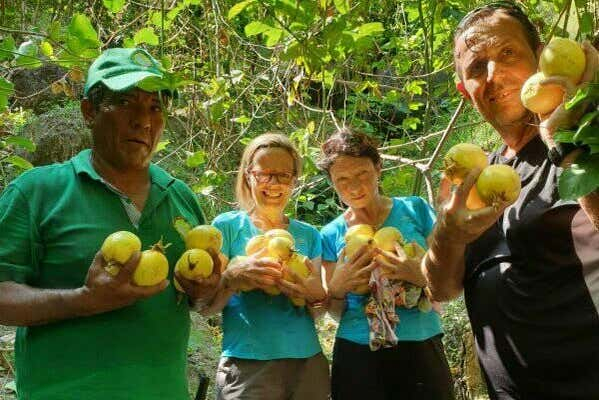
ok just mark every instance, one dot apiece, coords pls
pixel 301 281
pixel 198 274
pixel 352 274
pixel 251 272
pixel 398 266
pixel 104 291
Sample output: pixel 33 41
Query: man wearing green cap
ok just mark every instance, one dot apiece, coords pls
pixel 83 333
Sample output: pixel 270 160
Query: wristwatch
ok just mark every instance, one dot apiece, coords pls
pixel 557 153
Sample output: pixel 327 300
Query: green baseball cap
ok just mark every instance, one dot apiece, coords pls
pixel 121 69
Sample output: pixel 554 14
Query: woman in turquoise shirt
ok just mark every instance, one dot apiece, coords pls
pixel 416 367
pixel 270 346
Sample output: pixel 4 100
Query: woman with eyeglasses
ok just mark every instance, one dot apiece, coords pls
pixel 386 349
pixel 270 346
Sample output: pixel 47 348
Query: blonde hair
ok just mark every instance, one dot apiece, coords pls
pixel 243 193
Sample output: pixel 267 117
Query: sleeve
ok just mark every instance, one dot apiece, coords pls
pixel 19 243
pixel 329 248
pixel 316 251
pixel 426 215
pixel 220 223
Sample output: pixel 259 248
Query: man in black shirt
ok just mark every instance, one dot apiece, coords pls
pixel 529 271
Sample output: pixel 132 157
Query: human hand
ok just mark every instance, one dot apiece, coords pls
pixel 252 272
pixel 347 276
pixel 398 266
pixel 309 288
pixel 103 291
pixel 202 290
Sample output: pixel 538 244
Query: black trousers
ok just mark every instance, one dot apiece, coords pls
pixel 409 371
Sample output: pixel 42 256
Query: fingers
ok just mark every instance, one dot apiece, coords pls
pixel 266 263
pixel 564 82
pixel 462 191
pixel 128 268
pixel 592 59
pixel 362 257
pixel 311 267
pixel 444 191
pixel 291 289
pixel 367 269
pixel 216 260
pixel 148 291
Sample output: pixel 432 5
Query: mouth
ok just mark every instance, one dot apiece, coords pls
pixel 138 142
pixel 501 96
pixel 358 197
pixel 272 195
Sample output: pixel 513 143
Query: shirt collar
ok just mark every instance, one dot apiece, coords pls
pixel 82 165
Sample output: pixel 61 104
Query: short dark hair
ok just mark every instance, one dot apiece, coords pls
pixel 99 93
pixel 508 7
pixel 348 142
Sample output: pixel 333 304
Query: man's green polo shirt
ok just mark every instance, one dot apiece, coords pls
pixel 53 220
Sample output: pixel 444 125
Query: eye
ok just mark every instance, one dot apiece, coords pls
pixel 156 108
pixel 507 52
pixel 123 102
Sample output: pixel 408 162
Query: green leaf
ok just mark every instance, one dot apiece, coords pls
pixel 27 57
pixel 370 29
pixel 244 119
pixel 181 226
pixel 6 90
pixel 11 387
pixel 7 48
pixel 342 6
pixel 564 136
pixel 82 38
pixel 46 49
pixel 410 123
pixel 586 130
pixel 273 36
pixel 196 159
pixel 22 142
pixel 146 35
pixel 589 92
pixel 19 162
pixel 586 23
pixel 162 145
pixel 255 28
pixel 581 178
pixel 54 31
pixel 114 6
pixel 239 7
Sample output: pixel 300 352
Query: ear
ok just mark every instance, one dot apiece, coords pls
pixel 460 88
pixel 88 110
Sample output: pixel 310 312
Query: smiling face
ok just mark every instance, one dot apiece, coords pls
pixel 356 180
pixel 271 196
pixel 126 128
pixel 493 60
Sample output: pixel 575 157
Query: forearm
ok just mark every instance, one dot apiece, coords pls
pixel 443 267
pixel 336 308
pixel 219 301
pixel 23 305
pixel 590 205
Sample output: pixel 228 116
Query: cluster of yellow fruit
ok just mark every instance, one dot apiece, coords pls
pixel 496 183
pixel 280 248
pixel 119 246
pixel 196 261
pixel 561 57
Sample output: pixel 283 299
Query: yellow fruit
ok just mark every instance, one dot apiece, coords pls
pixel 354 243
pixel 195 263
pixel 256 244
pixel 474 202
pixel 117 248
pixel 360 229
pixel 563 57
pixel 541 99
pixel 297 263
pixel 461 159
pixel 204 237
pixel 280 247
pixel 152 268
pixel 498 183
pixel 413 250
pixel 386 238
pixel 273 233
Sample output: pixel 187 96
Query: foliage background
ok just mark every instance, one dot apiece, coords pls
pixel 302 67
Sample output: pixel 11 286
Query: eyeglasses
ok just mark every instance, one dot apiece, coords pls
pixel 284 178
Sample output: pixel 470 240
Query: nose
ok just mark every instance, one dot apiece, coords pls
pixel 140 119
pixel 492 71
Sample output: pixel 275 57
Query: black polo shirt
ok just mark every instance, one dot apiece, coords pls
pixel 532 290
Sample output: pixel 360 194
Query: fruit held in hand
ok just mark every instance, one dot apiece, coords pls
pixel 117 248
pixel 360 229
pixel 194 263
pixel 273 233
pixel 541 99
pixel 461 159
pixel 297 264
pixel 280 247
pixel 354 243
pixel 204 237
pixel 386 238
pixel 272 290
pixel 243 287
pixel 256 244
pixel 498 183
pixel 413 250
pixel 152 268
pixel 563 57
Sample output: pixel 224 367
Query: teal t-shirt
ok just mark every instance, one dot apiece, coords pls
pixel 259 326
pixel 53 220
pixel 414 218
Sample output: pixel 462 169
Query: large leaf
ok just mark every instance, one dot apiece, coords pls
pixel 22 142
pixel 6 90
pixel 82 38
pixel 239 7
pixel 370 28
pixel 581 178
pixel 19 162
pixel 146 35
pixel 342 6
pixel 589 92
pixel 196 159
pixel 27 57
pixel 256 27
pixel 114 6
pixel 7 48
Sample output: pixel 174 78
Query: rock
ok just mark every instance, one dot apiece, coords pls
pixel 58 134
